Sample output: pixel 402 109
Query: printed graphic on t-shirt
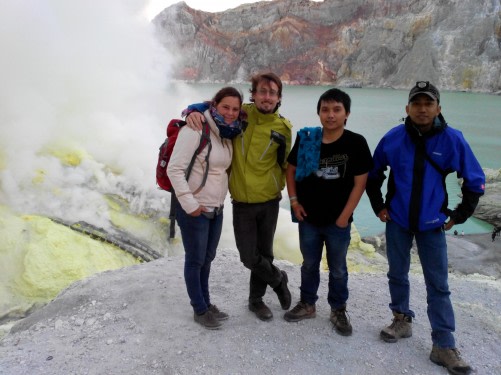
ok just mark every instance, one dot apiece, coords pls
pixel 333 167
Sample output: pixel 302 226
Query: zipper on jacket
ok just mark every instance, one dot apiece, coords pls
pixel 266 150
pixel 417 185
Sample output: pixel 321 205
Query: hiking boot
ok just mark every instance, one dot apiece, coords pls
pixel 400 328
pixel 283 293
pixel 451 360
pixel 218 314
pixel 301 311
pixel 261 310
pixel 341 321
pixel 208 320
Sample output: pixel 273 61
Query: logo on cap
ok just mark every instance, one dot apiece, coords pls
pixel 426 88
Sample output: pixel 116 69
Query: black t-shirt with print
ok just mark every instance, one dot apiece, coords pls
pixel 324 193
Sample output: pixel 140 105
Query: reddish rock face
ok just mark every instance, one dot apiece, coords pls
pixel 382 43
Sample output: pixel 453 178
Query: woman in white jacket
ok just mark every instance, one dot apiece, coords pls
pixel 199 212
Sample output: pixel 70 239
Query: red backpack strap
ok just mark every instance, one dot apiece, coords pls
pixel 173 124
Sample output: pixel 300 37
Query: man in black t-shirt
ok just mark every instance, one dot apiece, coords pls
pixel 326 178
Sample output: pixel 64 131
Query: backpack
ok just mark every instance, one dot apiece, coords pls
pixel 164 154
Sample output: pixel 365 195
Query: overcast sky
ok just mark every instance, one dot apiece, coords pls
pixel 156 6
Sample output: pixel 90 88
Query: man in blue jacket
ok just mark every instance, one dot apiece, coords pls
pixel 420 153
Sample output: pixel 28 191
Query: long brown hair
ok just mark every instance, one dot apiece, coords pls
pixel 227 91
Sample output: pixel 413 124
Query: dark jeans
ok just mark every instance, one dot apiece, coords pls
pixel 311 242
pixel 254 225
pixel 432 250
pixel 200 239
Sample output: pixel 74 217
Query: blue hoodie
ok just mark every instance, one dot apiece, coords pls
pixel 417 196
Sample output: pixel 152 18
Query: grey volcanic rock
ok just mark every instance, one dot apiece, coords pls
pixel 489 206
pixel 382 43
pixel 138 320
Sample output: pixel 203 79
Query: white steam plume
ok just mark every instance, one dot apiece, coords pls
pixel 83 106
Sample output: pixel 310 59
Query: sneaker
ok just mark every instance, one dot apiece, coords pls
pixel 399 329
pixel 261 310
pixel 301 311
pixel 451 360
pixel 341 321
pixel 283 293
pixel 208 320
pixel 218 314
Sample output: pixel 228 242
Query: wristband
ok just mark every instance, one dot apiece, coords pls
pixel 294 198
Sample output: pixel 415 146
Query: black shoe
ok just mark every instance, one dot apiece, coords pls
pixel 283 293
pixel 261 310
pixel 207 320
pixel 341 321
pixel 218 314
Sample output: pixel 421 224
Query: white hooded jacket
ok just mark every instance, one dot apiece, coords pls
pixel 214 192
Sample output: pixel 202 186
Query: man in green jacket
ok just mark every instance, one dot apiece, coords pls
pixel 257 179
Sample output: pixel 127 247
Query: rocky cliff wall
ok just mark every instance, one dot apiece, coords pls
pixel 378 43
pixel 489 206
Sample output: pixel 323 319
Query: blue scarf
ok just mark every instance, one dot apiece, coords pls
pixel 228 131
pixel 308 154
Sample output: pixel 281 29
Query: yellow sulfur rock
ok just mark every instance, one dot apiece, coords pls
pixel 39 258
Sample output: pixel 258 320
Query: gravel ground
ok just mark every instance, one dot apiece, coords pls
pixel 138 321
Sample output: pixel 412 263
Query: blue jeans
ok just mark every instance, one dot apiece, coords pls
pixel 200 239
pixel 432 250
pixel 311 242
